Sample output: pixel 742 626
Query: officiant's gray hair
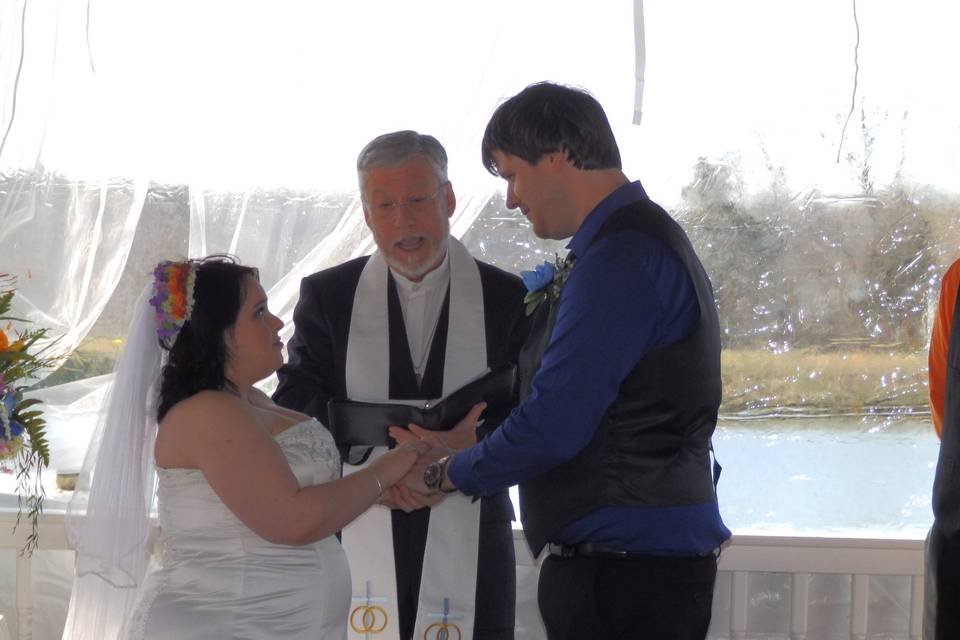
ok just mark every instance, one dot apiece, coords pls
pixel 391 149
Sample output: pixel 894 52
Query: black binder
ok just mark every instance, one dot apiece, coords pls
pixel 359 423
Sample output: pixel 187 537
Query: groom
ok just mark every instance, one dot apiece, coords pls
pixel 415 320
pixel 611 445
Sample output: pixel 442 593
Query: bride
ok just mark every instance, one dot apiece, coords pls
pixel 250 494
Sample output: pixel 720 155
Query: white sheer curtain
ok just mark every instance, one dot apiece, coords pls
pixel 141 131
pixel 65 236
pixel 65 233
pixel 640 46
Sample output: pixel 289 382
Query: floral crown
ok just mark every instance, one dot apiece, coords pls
pixel 172 298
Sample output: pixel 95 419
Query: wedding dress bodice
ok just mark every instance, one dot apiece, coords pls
pixel 219 579
pixel 188 507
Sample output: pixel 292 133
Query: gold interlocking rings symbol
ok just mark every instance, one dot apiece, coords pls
pixel 373 619
pixel 441 631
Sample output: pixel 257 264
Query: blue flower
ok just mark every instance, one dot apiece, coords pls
pixel 9 402
pixel 540 277
pixel 15 429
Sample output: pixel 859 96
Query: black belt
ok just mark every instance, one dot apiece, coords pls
pixel 590 550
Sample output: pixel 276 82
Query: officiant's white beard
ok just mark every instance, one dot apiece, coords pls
pixel 416 272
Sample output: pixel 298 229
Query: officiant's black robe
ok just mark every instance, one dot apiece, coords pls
pixel 316 372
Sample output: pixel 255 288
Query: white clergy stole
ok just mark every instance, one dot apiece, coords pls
pixel 449 578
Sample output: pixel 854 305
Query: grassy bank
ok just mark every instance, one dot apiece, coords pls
pixel 94 357
pixel 828 382
pixel 754 381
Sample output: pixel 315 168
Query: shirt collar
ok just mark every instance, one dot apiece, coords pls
pixel 432 280
pixel 619 198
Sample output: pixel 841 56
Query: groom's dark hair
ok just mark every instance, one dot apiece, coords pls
pixel 547 117
pixel 197 360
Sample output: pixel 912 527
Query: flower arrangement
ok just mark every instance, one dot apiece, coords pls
pixel 545 281
pixel 172 298
pixel 23 442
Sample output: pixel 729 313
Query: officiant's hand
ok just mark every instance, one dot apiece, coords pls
pixel 462 436
pixel 401 497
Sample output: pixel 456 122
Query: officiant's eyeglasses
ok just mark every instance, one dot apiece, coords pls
pixel 415 205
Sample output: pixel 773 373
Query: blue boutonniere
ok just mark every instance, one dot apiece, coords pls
pixel 545 282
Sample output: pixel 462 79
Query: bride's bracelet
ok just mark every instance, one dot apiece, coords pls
pixel 379 485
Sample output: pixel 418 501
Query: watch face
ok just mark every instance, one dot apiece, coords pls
pixel 431 476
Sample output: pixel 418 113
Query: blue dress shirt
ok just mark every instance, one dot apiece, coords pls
pixel 626 295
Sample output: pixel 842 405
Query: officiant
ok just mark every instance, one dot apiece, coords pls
pixel 439 317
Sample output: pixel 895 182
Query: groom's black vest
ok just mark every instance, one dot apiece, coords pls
pixel 652 447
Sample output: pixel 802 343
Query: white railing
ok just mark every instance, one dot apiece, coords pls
pixel 52 537
pixel 799 557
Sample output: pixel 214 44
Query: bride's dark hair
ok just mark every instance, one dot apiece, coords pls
pixel 198 357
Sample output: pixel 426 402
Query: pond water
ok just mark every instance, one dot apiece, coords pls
pixel 861 476
pixel 866 476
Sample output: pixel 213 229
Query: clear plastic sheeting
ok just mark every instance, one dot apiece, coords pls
pixel 814 167
pixel 811 157
pixel 823 301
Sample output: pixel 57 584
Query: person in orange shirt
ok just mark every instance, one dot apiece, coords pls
pixel 941 617
pixel 939 341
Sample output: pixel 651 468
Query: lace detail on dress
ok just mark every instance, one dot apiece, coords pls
pixel 309 443
pixel 135 627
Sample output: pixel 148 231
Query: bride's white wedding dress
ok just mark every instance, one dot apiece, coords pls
pixel 218 579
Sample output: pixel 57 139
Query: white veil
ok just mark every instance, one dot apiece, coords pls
pixel 108 520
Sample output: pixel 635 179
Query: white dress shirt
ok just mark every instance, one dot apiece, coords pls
pixel 421 303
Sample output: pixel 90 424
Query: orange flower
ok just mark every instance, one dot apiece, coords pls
pixel 17 346
pixel 4 343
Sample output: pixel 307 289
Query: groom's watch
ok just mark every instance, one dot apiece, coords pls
pixel 434 472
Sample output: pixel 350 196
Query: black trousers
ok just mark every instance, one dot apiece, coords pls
pixel 942 598
pixel 660 598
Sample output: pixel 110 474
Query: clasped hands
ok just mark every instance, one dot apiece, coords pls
pixel 410 493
